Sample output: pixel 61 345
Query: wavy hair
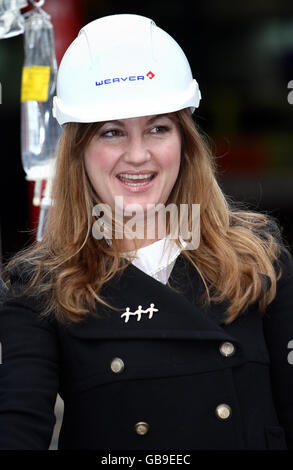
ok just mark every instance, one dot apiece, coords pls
pixel 69 267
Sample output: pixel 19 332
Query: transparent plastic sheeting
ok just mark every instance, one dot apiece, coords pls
pixel 40 131
pixel 11 20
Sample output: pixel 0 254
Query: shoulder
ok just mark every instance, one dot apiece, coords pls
pixel 283 267
pixel 267 228
pixel 15 301
pixel 284 261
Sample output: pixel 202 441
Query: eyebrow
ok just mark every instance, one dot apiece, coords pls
pixel 158 116
pixel 149 121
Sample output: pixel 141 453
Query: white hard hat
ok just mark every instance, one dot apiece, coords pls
pixel 123 66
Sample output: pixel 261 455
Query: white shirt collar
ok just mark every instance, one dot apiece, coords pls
pixel 158 258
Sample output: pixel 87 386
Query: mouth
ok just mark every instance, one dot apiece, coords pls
pixel 136 182
pixel 136 179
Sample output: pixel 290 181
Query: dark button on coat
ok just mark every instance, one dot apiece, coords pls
pixel 165 366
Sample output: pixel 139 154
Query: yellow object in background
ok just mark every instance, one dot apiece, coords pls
pixel 35 83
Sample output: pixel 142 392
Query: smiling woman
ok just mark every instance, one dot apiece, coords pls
pixel 133 340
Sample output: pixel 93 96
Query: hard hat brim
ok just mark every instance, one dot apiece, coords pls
pixel 190 98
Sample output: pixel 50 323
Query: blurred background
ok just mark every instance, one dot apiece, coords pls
pixel 241 54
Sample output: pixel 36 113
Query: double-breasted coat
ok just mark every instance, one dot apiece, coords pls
pixel 172 376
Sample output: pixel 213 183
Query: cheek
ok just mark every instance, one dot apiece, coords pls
pixel 96 162
pixel 171 158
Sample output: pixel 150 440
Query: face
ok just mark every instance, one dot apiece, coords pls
pixel 137 158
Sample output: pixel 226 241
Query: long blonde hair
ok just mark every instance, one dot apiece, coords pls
pixel 69 267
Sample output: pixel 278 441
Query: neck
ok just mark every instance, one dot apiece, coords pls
pixel 140 233
pixel 133 244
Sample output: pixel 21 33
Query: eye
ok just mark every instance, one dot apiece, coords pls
pixel 159 129
pixel 111 133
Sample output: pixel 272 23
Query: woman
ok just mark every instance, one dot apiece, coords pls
pixel 149 347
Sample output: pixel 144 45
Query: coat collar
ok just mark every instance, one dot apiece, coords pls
pixel 179 315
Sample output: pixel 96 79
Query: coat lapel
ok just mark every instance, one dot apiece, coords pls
pixel 185 277
pixel 177 315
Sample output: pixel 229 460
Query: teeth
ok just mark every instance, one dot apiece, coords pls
pixel 136 184
pixel 135 177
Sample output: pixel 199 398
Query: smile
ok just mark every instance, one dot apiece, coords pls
pixel 136 182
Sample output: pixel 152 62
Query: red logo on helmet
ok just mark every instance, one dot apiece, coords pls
pixel 150 75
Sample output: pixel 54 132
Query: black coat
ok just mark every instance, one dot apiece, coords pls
pixel 181 379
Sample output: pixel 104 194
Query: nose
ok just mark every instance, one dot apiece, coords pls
pixel 136 151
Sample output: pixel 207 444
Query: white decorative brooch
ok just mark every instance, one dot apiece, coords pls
pixel 138 312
